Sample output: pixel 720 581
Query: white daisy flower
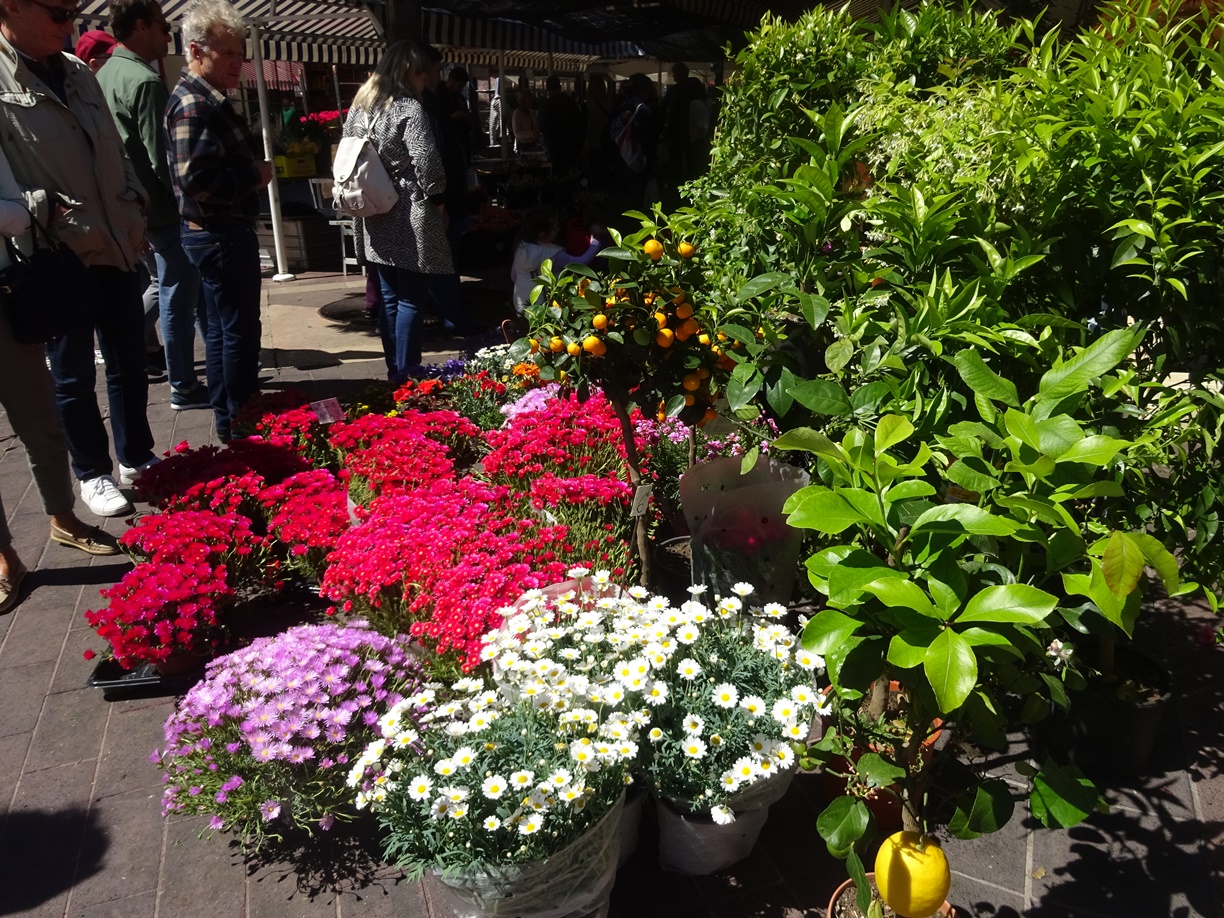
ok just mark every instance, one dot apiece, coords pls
pixel 687 634
pixel 745 769
pixel 730 604
pixel 722 815
pixel 560 778
pixel 794 731
pixel 454 794
pixel 531 824
pixel 725 695
pixel 802 695
pixel 753 704
pixel 773 610
pixel 420 787
pixel 445 767
pixel 655 734
pixel 578 572
pixel 697 589
pixel 688 669
pixel 522 779
pixel 728 781
pixel 639 592
pixel 743 589
pixel 694 747
pixel 493 786
pixel 783 755
pixel 784 711
pixel 464 756
pixel 492 823
pixel 693 724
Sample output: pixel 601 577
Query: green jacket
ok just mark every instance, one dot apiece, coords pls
pixel 137 98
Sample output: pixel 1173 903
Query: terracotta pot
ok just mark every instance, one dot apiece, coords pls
pixel 847 890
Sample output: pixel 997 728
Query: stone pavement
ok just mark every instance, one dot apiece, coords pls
pixel 81 834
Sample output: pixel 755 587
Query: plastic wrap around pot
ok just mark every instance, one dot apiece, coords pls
pixel 739 531
pixel 576 882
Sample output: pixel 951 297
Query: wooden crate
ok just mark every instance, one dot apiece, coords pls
pixel 310 243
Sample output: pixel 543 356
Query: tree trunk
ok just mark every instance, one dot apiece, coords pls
pixel 635 478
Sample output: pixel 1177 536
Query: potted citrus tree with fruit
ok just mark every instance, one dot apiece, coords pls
pixel 647 333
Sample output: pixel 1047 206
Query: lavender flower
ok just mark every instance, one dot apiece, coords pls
pixel 268 733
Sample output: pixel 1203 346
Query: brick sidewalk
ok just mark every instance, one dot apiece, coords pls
pixel 81 834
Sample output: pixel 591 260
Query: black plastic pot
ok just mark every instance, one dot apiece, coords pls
pixel 671 567
pixel 1111 737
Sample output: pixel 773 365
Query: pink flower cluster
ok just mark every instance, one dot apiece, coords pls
pixel 391 455
pixel 307 514
pixel 198 537
pixel 161 608
pixel 269 735
pixel 550 491
pixel 440 561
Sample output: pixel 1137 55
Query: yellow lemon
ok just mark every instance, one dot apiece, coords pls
pixel 665 337
pixel 593 346
pixel 556 345
pixel 653 248
pixel 913 875
pixel 685 250
pixel 600 321
pixel 573 348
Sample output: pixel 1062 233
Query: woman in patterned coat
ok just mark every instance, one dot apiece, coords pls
pixel 409 241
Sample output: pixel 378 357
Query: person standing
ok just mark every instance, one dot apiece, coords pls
pixel 562 127
pixel 27 393
pixel 408 243
pixel 217 175
pixel 66 155
pixel 137 98
pixel 525 122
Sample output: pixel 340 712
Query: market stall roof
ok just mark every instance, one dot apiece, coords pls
pixel 669 29
pixel 330 31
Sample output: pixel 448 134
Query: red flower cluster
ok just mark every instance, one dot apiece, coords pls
pixel 566 438
pixel 307 513
pixel 423 395
pixel 550 491
pixel 391 455
pixel 160 608
pixel 222 480
pixel 440 560
pixel 199 537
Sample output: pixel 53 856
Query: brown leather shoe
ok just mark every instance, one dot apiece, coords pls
pixel 93 542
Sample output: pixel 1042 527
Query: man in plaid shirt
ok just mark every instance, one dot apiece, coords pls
pixel 217 177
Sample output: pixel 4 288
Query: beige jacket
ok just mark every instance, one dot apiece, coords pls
pixel 74 153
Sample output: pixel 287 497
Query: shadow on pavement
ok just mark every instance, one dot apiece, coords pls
pixel 46 852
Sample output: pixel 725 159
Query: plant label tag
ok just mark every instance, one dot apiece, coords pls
pixel 328 410
pixel 641 500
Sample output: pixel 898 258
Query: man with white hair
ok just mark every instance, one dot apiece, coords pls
pixel 217 175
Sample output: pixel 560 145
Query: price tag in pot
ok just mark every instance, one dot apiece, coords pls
pixel 328 410
pixel 641 500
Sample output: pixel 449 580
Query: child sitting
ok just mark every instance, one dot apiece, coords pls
pixel 538 246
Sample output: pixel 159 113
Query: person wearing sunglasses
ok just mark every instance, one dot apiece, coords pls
pixel 137 98
pixel 67 156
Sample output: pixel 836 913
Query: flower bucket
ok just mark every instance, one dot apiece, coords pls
pixel 739 530
pixel 576 882
pixel 631 822
pixel 691 842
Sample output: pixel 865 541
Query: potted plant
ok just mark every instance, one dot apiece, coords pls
pixel 948 557
pixel 500 798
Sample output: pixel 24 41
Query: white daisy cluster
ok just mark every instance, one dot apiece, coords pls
pixel 720 689
pixel 491 769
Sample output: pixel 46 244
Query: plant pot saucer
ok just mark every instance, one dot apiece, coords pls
pixel 144 681
pixel 842 903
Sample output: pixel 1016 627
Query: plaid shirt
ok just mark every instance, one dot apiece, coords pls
pixel 212 154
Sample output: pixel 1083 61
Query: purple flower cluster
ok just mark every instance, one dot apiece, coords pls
pixel 267 737
pixel 534 400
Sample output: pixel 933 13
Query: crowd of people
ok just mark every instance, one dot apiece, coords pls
pixel 155 193
pixel 622 139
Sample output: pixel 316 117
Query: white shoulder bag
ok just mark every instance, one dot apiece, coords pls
pixel 362 186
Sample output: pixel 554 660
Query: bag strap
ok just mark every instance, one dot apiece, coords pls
pixel 628 124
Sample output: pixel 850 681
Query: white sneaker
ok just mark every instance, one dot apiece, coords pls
pixel 128 476
pixel 101 495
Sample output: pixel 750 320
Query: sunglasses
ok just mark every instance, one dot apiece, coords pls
pixel 58 14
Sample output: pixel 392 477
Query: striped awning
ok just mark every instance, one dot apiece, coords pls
pixel 327 31
pixel 283 75
pixel 496 34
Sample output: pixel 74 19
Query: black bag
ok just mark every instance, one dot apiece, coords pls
pixel 43 294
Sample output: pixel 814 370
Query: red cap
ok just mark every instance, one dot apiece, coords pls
pixel 94 44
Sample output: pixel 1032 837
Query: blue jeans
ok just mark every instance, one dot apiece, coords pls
pixel 227 256
pixel 179 305
pixel 400 322
pixel 118 319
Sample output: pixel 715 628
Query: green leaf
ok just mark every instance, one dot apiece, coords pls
pixel 1161 560
pixel 891 430
pixel 905 594
pixel 814 309
pixel 982 810
pixel 827 630
pixel 762 283
pixel 777 396
pixel 1122 564
pixel 740 394
pixel 1061 797
pixel 838 354
pixel 963 518
pixel 951 668
pixel 1016 603
pixel 809 441
pixel 983 380
pixel 973 474
pixel 907 490
pixel 823 510
pixel 1058 434
pixel 748 463
pixel 878 772
pixel 907 649
pixel 821 396
pixel 842 824
pixel 1094 450
pixel 821 564
pixel 1072 376
pixel 856 570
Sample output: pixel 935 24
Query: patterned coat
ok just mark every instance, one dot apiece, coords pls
pixel 410 236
